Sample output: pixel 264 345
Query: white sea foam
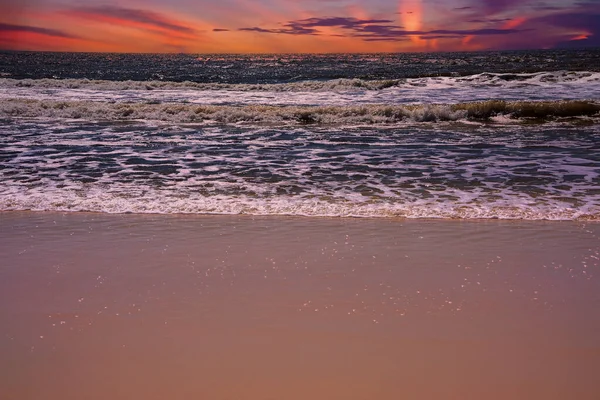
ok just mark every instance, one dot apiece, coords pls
pixel 296 149
pixel 161 202
pixel 296 171
pixel 560 85
pixel 501 111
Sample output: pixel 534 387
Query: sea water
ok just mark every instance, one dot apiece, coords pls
pixel 452 135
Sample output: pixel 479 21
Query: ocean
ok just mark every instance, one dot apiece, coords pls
pixel 508 135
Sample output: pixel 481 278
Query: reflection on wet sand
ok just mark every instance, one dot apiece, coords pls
pixel 152 307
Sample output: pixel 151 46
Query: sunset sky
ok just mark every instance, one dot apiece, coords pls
pixel 265 26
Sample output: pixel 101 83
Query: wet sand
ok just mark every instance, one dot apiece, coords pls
pixel 98 306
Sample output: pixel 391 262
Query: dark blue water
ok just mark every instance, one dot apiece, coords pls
pixel 287 67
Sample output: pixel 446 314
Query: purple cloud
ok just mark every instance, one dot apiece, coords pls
pixel 578 21
pixel 288 30
pixel 584 21
pixel 369 29
pixel 496 6
pixel 34 29
pixel 488 21
pixel 307 26
pixel 342 22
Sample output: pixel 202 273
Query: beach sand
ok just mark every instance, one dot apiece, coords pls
pixel 99 306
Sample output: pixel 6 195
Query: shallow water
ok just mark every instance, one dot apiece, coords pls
pixel 103 306
pixel 451 170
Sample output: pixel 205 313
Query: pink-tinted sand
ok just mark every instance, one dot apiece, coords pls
pixel 96 306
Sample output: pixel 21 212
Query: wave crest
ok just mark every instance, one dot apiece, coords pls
pixel 366 114
pixel 159 203
pixel 343 84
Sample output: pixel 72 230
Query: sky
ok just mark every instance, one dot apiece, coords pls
pixel 297 26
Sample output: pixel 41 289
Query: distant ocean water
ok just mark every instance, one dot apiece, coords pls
pixel 448 135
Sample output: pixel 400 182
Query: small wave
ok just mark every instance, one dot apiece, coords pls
pixel 484 79
pixel 528 109
pixel 158 202
pixel 302 86
pixel 364 114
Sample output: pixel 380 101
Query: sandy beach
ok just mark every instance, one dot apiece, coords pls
pixel 101 306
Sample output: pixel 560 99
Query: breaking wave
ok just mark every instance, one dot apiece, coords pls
pixel 157 202
pixel 483 79
pixel 362 114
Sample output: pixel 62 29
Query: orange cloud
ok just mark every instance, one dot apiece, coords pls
pixel 35 39
pixel 138 30
pixel 581 37
pixel 256 9
pixel 357 11
pixel 513 23
pixel 467 39
pixel 136 19
pixel 411 16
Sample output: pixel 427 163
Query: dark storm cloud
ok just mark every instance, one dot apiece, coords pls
pixel 34 29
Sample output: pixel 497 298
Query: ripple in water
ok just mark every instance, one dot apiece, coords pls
pixel 549 172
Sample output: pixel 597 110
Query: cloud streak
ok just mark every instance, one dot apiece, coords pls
pixel 10 28
pixel 496 6
pixel 371 29
pixel 308 26
pixel 144 19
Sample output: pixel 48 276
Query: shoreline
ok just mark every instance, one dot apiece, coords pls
pixel 301 217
